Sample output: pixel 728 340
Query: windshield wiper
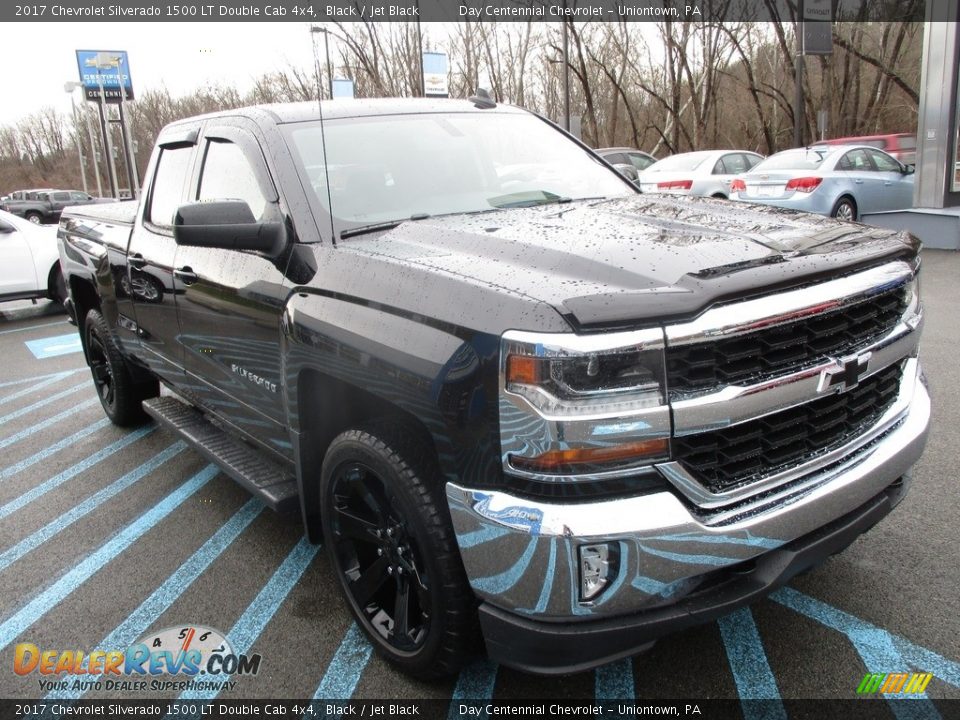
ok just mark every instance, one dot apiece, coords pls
pixel 376 227
pixel 527 198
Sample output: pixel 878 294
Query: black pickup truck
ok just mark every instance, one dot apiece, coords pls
pixel 512 396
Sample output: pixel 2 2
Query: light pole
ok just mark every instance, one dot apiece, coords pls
pixel 326 50
pixel 69 87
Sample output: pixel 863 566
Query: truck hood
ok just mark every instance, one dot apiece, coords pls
pixel 636 260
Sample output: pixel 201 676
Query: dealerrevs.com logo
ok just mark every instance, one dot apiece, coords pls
pixel 189 657
pixel 894 683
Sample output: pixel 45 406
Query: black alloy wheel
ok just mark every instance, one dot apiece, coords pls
pixel 120 395
pixel 380 558
pixel 101 369
pixel 390 541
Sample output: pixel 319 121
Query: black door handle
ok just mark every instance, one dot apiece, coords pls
pixel 186 275
pixel 136 261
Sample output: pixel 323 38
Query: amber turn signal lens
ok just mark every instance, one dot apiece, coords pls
pixel 523 370
pixel 555 460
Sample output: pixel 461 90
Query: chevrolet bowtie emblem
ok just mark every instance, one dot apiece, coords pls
pixel 845 375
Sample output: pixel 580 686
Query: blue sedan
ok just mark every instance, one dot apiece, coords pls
pixel 841 181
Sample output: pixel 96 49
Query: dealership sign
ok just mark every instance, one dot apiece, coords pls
pixel 817 27
pixel 435 74
pixel 104 69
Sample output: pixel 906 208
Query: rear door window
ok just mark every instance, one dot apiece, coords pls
pixel 855 161
pixel 735 163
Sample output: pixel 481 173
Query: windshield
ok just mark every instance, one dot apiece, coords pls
pixel 801 159
pixel 686 161
pixel 398 167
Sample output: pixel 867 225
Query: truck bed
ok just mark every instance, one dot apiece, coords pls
pixel 122 212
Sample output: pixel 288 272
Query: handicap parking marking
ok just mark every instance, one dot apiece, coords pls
pixel 54 346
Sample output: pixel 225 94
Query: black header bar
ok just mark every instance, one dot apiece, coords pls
pixel 449 10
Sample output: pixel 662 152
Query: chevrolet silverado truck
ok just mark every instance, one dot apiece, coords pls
pixel 514 398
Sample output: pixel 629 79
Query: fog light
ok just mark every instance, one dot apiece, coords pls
pixel 598 566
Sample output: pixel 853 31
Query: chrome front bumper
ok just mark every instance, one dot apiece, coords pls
pixel 522 555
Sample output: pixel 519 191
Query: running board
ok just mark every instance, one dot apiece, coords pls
pixel 262 477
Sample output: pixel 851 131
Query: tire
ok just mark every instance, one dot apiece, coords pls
pixel 391 544
pixel 845 209
pixel 119 394
pixel 56 287
pixel 33 217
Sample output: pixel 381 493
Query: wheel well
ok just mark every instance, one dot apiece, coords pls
pixel 719 195
pixel 51 279
pixel 333 407
pixel 849 197
pixel 85 299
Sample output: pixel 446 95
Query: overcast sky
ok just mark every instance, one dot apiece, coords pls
pixel 40 57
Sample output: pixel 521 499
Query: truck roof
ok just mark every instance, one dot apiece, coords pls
pixel 280 113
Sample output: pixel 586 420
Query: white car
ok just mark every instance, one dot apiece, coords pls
pixel 708 172
pixel 29 261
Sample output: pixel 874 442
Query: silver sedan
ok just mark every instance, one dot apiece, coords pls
pixel 845 181
pixel 708 172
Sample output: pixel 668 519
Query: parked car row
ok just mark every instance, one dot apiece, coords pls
pixel 838 178
pixel 46 205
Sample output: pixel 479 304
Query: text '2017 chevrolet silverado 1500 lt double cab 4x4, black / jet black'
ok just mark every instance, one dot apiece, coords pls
pixel 510 394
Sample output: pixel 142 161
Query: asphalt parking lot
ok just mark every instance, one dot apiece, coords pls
pixel 108 534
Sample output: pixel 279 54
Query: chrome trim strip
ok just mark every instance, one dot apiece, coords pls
pixel 786 307
pixel 559 344
pixel 687 484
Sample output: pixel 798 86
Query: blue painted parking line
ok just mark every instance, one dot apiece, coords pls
pixel 61 523
pixel 343 673
pixel 877 647
pixel 60 478
pixel 749 665
pixel 55 346
pixel 476 682
pixel 160 600
pixel 68 441
pixel 46 401
pixel 262 609
pixel 48 599
pixel 44 424
pixel 22 381
pixel 36 386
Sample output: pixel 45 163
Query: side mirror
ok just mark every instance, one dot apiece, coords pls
pixel 908 170
pixel 226 224
pixel 628 171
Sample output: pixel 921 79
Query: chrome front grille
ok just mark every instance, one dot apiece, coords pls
pixel 723 460
pixel 783 348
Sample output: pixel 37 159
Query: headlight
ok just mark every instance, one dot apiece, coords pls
pixel 566 376
pixel 582 405
pixel 913 313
